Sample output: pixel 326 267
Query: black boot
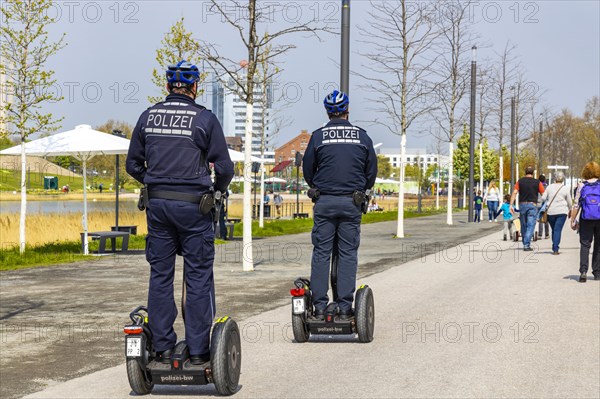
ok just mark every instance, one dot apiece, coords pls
pixel 197 360
pixel 164 356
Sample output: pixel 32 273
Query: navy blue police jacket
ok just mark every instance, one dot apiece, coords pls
pixel 172 145
pixel 340 159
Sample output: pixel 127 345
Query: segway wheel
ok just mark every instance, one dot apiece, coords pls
pixel 226 356
pixel 365 314
pixel 300 328
pixel 139 380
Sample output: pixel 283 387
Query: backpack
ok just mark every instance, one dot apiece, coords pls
pixel 590 201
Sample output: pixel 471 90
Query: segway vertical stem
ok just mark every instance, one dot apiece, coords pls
pixel 335 256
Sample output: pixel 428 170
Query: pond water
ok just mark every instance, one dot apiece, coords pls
pixel 65 206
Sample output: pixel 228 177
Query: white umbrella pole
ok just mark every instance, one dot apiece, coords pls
pixel 261 219
pixel 86 250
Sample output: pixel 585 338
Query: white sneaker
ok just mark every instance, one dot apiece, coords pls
pixel 495 220
pixel 490 221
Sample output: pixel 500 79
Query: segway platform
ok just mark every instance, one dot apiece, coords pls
pixel 144 371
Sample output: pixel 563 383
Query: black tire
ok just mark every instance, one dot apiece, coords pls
pixel 139 380
pixel 300 328
pixel 365 314
pixel 226 356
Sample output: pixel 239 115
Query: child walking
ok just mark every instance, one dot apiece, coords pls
pixel 507 215
pixel 478 200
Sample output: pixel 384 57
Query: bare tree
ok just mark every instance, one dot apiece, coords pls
pixel 242 76
pixel 400 36
pixel 455 48
pixel 503 78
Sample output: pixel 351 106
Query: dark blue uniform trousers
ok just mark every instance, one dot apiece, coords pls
pixel 173 226
pixel 335 216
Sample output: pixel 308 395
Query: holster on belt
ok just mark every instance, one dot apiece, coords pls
pixel 313 194
pixel 362 198
pixel 143 201
pixel 207 203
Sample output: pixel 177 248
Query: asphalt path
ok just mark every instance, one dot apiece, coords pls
pixel 481 319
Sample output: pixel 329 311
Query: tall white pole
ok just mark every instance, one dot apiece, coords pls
pixel 247 255
pixel 400 230
pixel 261 219
pixel 23 198
pixel 437 186
pixel 464 196
pixel 84 222
pixel 450 182
pixel 481 167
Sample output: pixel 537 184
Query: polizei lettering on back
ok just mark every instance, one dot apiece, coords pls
pixel 170 121
pixel 340 134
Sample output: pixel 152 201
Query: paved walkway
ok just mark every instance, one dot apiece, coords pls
pixel 483 319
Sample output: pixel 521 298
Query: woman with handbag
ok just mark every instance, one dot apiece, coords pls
pixel 558 208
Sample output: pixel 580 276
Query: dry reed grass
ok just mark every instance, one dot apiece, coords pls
pixel 46 228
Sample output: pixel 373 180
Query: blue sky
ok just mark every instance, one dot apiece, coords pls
pixel 104 72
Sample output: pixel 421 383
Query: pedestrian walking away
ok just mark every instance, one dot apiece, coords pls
pixel 558 209
pixel 492 199
pixel 507 215
pixel 278 201
pixel 339 162
pixel 541 208
pixel 478 201
pixel 528 189
pixel 171 148
pixel 585 218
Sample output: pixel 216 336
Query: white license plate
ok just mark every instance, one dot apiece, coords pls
pixel 134 346
pixel 298 304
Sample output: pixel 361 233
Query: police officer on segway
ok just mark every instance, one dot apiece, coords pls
pixel 340 165
pixel 171 148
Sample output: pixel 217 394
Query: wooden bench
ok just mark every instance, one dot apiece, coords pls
pixel 129 229
pixel 103 235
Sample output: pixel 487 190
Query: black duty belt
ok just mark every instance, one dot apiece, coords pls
pixel 175 196
pixel 338 195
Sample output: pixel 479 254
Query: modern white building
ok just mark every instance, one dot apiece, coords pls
pixel 414 156
pixel 230 109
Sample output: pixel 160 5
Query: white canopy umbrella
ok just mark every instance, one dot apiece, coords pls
pixel 82 143
pixel 237 156
pixel 275 180
pixel 386 181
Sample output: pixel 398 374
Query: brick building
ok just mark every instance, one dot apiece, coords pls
pixel 288 151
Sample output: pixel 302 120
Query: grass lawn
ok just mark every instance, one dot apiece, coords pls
pixel 68 252
pixel 274 228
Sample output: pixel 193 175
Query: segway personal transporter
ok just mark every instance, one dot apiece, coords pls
pixel 304 324
pixel 144 371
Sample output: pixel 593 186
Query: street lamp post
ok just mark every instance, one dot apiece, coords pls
pixel 345 56
pixel 118 133
pixel 540 146
pixel 472 132
pixel 512 140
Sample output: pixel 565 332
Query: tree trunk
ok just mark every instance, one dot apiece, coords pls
pixel 450 182
pixel 400 230
pixel 248 258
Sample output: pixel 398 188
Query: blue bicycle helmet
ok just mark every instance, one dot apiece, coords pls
pixel 183 72
pixel 337 102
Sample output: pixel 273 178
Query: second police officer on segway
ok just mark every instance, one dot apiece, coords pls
pixel 340 165
pixel 171 148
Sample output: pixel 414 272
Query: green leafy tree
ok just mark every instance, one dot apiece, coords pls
pixel 384 167
pixel 461 159
pixel 24 50
pixel 178 44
